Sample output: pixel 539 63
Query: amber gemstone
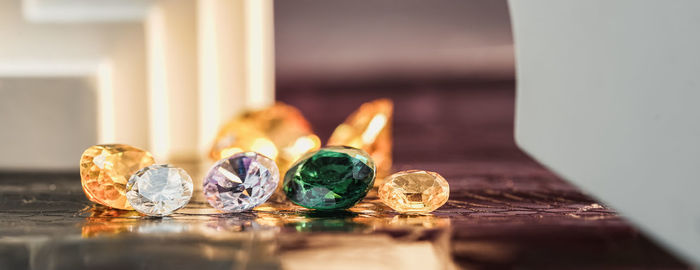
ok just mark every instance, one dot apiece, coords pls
pixel 369 129
pixel 415 191
pixel 279 132
pixel 106 169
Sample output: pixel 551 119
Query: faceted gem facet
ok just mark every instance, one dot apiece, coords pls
pixel 331 178
pixel 106 169
pixel 241 182
pixel 279 132
pixel 159 190
pixel 369 128
pixel 415 191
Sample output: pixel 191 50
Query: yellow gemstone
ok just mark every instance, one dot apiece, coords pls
pixel 369 128
pixel 414 192
pixel 105 170
pixel 279 132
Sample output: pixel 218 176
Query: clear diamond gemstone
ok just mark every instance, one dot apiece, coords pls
pixel 159 190
pixel 241 182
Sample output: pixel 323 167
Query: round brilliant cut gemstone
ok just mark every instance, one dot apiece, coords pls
pixel 159 190
pixel 241 182
pixel 414 191
pixel 332 178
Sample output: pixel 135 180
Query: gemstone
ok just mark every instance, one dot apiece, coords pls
pixel 159 190
pixel 241 182
pixel 106 169
pixel 414 192
pixel 279 132
pixel 334 177
pixel 369 128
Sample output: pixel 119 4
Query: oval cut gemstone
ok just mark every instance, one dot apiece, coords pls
pixel 415 191
pixel 159 190
pixel 332 178
pixel 241 182
pixel 106 169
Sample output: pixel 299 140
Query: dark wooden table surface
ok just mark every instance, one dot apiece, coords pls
pixel 505 210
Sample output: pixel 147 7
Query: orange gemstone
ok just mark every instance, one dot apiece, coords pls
pixel 369 128
pixel 105 170
pixel 279 132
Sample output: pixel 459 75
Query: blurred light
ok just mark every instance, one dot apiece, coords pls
pixel 158 95
pixel 259 50
pixel 105 97
pixel 227 152
pixel 265 147
pixel 209 77
pixel 375 126
pixel 301 146
pixel 279 132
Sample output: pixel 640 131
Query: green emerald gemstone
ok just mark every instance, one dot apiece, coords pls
pixel 335 177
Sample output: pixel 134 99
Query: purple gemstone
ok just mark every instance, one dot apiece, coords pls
pixel 241 182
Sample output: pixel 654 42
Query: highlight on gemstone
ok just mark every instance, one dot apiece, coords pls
pixel 159 190
pixel 414 191
pixel 106 169
pixel 279 132
pixel 369 128
pixel 241 182
pixel 332 178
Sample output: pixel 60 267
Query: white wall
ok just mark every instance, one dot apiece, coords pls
pixel 109 55
pixel 45 120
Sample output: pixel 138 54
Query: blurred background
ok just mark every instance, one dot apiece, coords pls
pixel 392 40
pixel 164 75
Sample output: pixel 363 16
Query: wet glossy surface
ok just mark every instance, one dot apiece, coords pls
pixel 531 221
pixel 504 210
